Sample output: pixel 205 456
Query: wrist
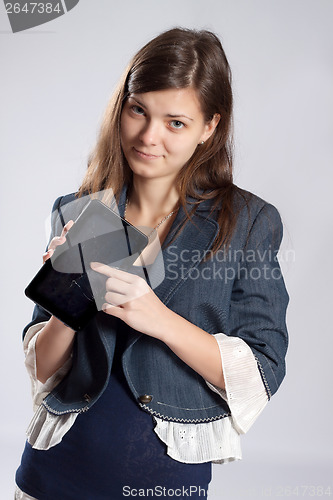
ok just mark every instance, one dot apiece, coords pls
pixel 169 325
pixel 58 325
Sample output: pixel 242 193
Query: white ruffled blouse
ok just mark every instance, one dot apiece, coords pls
pixel 217 441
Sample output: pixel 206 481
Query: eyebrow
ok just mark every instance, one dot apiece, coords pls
pixel 168 115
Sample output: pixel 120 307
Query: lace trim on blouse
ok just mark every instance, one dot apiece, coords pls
pixel 217 441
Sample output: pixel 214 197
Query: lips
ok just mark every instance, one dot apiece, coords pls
pixel 146 156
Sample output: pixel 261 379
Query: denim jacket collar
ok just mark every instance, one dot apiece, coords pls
pixel 198 234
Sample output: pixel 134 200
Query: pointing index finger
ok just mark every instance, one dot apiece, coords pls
pixel 111 272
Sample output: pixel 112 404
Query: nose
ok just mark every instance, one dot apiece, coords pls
pixel 150 134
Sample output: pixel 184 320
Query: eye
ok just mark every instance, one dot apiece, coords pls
pixel 177 124
pixel 137 110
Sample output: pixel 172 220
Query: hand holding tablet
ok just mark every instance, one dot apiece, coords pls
pixel 66 286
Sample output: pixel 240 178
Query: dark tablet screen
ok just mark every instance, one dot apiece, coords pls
pixel 66 286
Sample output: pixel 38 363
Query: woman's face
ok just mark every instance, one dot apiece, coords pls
pixel 160 131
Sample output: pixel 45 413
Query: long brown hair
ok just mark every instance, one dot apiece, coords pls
pixel 177 58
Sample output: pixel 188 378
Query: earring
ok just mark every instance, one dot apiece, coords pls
pixel 202 142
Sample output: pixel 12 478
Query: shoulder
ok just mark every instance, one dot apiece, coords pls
pixel 250 206
pixel 244 206
pixel 257 218
pixel 67 207
pixel 248 210
pixel 63 200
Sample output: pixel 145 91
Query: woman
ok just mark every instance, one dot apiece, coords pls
pixel 163 381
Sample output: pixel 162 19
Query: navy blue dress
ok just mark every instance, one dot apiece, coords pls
pixel 110 450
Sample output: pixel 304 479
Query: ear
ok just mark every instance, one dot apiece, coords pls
pixel 210 128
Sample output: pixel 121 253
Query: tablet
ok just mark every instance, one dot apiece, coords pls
pixel 66 286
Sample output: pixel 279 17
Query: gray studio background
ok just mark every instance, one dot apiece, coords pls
pixel 55 83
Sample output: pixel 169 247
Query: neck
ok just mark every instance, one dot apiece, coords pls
pixel 153 196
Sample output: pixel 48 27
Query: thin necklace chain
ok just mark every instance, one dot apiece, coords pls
pixel 158 225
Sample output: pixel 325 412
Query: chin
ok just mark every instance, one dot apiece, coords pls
pixel 148 173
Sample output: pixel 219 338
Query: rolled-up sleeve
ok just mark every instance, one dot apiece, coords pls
pixel 259 299
pixel 244 390
pixel 254 346
pixel 39 390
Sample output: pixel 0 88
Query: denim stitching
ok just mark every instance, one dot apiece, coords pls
pixel 268 364
pixel 72 410
pixel 176 419
pixel 129 380
pixel 55 394
pixel 190 409
pixel 185 420
pixel 264 378
pixel 108 349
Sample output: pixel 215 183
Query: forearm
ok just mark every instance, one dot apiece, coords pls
pixel 130 298
pixel 194 346
pixel 53 347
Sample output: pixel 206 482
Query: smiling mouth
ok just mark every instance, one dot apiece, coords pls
pixel 145 155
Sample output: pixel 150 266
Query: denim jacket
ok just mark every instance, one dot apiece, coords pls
pixel 239 292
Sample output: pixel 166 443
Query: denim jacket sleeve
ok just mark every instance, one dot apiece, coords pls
pixel 259 298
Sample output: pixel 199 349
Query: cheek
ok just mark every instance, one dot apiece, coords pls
pixel 178 143
pixel 183 147
pixel 126 129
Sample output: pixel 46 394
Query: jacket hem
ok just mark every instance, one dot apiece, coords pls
pixel 72 410
pixel 184 420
